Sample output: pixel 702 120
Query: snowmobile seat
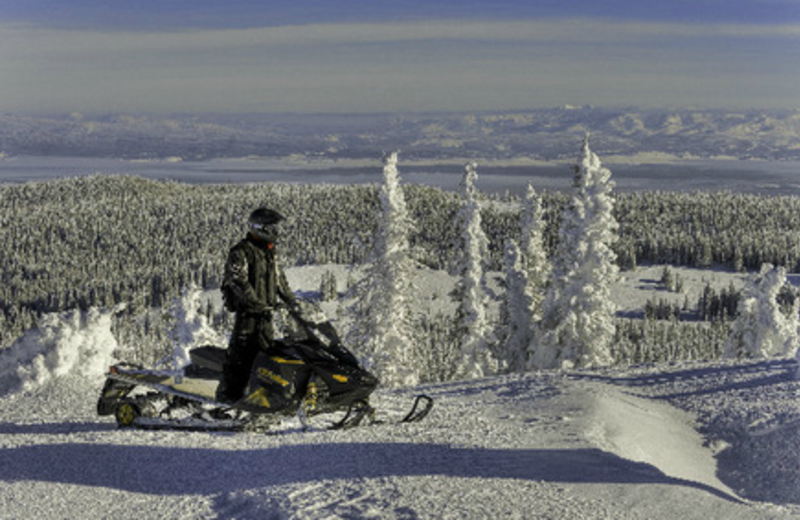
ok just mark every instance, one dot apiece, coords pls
pixel 209 357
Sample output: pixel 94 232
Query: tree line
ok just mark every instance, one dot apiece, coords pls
pixel 106 240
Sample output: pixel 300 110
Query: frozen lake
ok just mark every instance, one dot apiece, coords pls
pixel 765 177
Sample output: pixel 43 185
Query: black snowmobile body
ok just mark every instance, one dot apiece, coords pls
pixel 311 373
pixel 331 378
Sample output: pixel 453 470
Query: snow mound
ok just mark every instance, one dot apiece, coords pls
pixel 652 432
pixel 74 345
pixel 765 466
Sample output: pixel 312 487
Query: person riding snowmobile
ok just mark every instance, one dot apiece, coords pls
pixel 252 284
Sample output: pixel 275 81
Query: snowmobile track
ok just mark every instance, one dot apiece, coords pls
pixel 360 414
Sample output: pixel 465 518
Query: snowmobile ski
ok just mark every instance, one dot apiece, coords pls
pixel 421 408
pixel 355 415
pixel 361 411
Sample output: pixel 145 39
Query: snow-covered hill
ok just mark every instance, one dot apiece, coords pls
pixel 702 440
pixel 652 135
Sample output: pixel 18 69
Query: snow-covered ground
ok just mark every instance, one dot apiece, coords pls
pixel 692 440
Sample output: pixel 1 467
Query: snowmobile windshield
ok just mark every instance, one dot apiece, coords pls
pixel 311 324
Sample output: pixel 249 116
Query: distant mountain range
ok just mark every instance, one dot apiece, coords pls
pixel 537 134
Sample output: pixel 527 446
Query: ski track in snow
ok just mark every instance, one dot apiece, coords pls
pixel 689 440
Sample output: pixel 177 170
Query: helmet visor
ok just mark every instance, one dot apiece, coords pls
pixel 268 232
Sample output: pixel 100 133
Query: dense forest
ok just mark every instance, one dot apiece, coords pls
pixel 109 240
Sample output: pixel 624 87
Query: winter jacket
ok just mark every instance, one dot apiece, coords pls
pixel 255 281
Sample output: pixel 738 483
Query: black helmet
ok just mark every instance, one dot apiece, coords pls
pixel 263 223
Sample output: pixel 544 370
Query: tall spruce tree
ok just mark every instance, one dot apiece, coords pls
pixel 577 326
pixel 384 330
pixel 515 314
pixel 527 271
pixel 536 266
pixel 535 263
pixel 476 359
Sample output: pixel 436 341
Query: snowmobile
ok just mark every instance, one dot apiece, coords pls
pixel 307 373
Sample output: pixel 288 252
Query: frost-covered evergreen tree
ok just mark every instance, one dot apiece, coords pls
pixel 384 327
pixel 578 315
pixel 536 265
pixel 191 328
pixel 527 272
pixel 476 359
pixel 761 328
pixel 515 316
pixel 329 288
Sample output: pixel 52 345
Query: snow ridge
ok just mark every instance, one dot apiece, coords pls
pixel 78 344
pixel 664 436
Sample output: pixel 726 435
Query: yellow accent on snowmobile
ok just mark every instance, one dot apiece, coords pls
pixel 310 400
pixel 258 398
pixel 273 376
pixel 283 361
pixel 340 378
pixel 126 413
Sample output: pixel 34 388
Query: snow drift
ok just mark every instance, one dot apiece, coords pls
pixel 663 437
pixel 76 345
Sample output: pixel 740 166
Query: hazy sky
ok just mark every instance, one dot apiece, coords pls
pixel 98 56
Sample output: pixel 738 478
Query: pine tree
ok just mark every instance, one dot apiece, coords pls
pixel 515 315
pixel 384 329
pixel 476 359
pixel 328 289
pixel 577 325
pixel 190 327
pixel 527 271
pixel 761 328
pixel 535 265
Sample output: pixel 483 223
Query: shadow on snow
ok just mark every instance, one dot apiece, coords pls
pixel 181 471
pixel 721 378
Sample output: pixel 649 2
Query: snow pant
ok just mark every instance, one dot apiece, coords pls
pixel 250 336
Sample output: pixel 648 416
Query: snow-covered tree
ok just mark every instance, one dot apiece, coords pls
pixel 761 328
pixel 475 332
pixel 329 288
pixel 190 327
pixel 515 315
pixel 536 265
pixel 527 272
pixel 577 326
pixel 384 327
